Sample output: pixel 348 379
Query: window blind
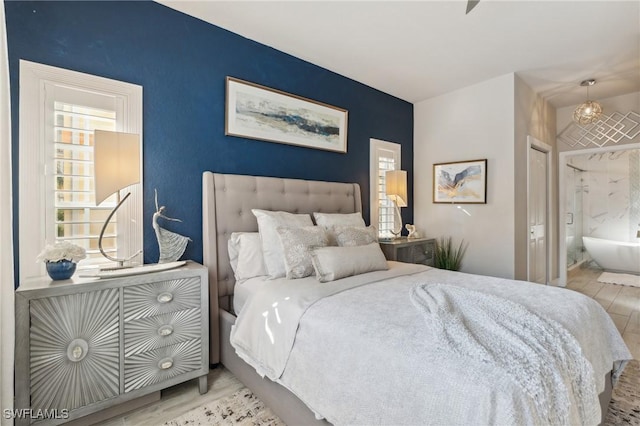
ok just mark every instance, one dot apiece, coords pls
pixel 386 216
pixel 77 218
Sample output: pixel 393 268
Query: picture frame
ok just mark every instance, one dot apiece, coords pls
pixel 460 182
pixel 257 112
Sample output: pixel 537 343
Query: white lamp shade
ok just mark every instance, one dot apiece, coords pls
pixel 116 157
pixel 396 184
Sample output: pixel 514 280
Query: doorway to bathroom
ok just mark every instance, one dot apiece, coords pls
pixel 599 192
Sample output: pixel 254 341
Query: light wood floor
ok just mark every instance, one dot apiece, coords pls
pixel 179 399
pixel 621 302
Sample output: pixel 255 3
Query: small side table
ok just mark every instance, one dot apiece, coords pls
pixel 410 250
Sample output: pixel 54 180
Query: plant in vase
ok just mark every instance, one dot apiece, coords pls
pixel 447 256
pixel 61 259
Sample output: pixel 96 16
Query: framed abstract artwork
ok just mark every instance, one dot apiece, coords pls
pixel 460 182
pixel 262 113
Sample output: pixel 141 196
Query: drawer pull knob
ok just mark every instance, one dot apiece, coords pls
pixel 165 363
pixel 165 297
pixel 165 330
pixel 77 350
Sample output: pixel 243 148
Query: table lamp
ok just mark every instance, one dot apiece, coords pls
pixel 116 166
pixel 396 190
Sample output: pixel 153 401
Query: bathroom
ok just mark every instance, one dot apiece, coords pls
pixel 602 209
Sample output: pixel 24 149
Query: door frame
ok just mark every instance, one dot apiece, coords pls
pixel 547 150
pixel 562 194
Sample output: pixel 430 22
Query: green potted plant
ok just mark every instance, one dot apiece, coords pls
pixel 447 256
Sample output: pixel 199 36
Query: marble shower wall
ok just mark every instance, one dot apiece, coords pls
pixel 611 194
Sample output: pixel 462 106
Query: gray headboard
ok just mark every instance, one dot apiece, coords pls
pixel 227 201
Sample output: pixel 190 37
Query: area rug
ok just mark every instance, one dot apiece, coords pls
pixel 243 408
pixel 624 408
pixel 624 279
pixel 240 408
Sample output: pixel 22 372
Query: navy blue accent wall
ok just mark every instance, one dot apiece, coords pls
pixel 182 62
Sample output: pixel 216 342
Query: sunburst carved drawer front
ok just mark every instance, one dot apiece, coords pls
pixel 85 345
pixel 152 299
pixel 74 349
pixel 150 333
pixel 161 364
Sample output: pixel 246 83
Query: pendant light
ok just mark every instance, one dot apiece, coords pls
pixel 589 111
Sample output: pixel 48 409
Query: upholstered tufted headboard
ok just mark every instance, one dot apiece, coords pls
pixel 227 201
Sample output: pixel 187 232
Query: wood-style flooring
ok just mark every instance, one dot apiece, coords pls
pixel 621 302
pixel 179 399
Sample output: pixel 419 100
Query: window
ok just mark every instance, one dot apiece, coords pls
pixel 59 111
pixel 77 218
pixel 384 156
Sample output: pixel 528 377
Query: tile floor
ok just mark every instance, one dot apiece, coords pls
pixel 621 302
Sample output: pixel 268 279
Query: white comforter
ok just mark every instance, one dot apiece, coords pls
pixel 357 351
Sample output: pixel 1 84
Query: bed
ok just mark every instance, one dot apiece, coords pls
pixel 227 204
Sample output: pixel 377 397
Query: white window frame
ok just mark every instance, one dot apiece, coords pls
pixel 377 148
pixel 35 80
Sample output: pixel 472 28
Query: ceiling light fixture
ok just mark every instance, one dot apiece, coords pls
pixel 589 111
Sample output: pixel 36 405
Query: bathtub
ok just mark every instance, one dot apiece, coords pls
pixel 616 256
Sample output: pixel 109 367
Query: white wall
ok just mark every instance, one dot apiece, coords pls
pixel 622 104
pixel 471 123
pixel 533 117
pixel 7 333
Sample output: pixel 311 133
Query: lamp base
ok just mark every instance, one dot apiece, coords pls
pixel 117 267
pixel 120 262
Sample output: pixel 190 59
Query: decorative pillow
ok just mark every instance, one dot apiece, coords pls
pixel 329 220
pixel 268 222
pixel 333 263
pixel 349 236
pixel 245 254
pixel 297 244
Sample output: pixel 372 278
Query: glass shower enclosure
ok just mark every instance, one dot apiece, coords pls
pixel 573 221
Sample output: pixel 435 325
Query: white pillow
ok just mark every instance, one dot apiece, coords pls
pixel 329 220
pixel 245 254
pixel 297 244
pixel 333 263
pixel 347 236
pixel 268 222
pixel 233 247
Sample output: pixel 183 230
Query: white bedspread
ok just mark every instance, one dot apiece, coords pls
pixel 362 354
pixel 496 333
pixel 265 332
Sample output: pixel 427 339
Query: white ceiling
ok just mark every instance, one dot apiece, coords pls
pixel 416 50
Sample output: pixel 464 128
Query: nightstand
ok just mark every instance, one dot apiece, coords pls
pixel 410 250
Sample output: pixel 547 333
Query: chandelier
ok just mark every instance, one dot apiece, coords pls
pixel 589 111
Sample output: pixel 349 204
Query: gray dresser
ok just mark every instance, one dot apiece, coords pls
pixel 86 345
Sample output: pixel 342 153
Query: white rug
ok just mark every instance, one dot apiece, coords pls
pixel 624 279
